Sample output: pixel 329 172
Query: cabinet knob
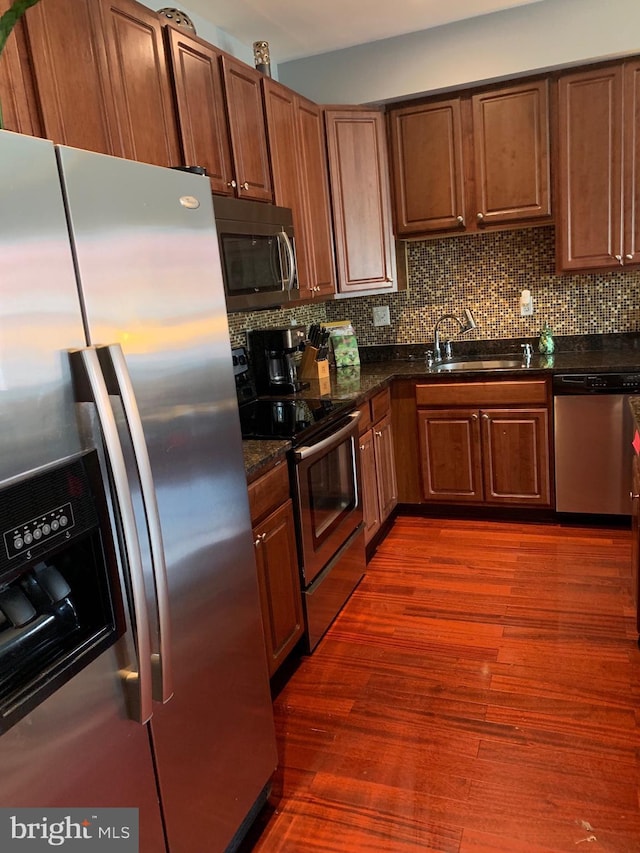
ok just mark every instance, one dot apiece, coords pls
pixel 480 217
pixel 619 259
pixel 629 257
pixel 485 417
pixel 245 185
pixel 362 447
pixel 633 496
pixel 231 184
pixel 260 538
pixel 378 432
pixel 460 220
pixel 474 416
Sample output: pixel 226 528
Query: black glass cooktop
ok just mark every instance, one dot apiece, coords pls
pixel 295 420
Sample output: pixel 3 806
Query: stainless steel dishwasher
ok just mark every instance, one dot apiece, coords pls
pixel 593 430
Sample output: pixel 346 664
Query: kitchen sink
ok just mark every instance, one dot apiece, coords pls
pixel 480 364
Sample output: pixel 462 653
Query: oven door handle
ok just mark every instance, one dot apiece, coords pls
pixel 308 452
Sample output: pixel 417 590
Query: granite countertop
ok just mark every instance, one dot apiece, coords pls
pixel 380 365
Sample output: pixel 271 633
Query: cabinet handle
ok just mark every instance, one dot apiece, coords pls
pixel 231 184
pixel 260 538
pixel 460 220
pixel 480 217
pixel 634 496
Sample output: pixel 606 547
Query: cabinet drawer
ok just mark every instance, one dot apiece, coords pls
pixel 268 492
pixel 380 405
pixel 504 392
pixel 365 417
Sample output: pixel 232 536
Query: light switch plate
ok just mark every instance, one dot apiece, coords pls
pixel 381 316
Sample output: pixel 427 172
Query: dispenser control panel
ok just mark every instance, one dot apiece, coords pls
pixel 37 530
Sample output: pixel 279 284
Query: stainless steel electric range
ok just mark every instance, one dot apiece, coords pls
pixel 324 473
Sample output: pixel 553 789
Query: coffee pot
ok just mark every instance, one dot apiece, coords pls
pixel 275 356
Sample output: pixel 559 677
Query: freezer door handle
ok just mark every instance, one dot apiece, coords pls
pixel 118 380
pixel 90 387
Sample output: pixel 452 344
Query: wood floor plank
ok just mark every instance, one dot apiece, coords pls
pixel 480 693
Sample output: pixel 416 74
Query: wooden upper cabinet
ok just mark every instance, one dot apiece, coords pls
pixel 631 164
pixel 360 199
pixel 298 167
pixel 480 159
pixel 280 112
pixel 141 102
pixel 427 164
pixel 315 197
pixel 17 95
pixel 511 153
pixel 590 107
pixel 247 129
pixel 202 118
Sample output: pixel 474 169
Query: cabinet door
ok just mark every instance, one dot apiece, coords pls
pixel 141 98
pixel 370 504
pixel 427 167
pixel 589 233
pixel 631 169
pixel 318 235
pixel 279 582
pixel 65 39
pixel 360 199
pixel 450 455
pixel 281 116
pixel 247 129
pixel 516 456
pixel 18 109
pixel 385 467
pixel 635 537
pixel 511 153
pixel 202 119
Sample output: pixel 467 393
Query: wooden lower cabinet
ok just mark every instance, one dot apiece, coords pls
pixel 377 464
pixel 635 536
pixel 485 442
pixel 277 564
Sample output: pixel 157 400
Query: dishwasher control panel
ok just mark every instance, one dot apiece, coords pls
pixel 596 383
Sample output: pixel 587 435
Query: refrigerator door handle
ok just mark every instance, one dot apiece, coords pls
pixel 118 381
pixel 90 387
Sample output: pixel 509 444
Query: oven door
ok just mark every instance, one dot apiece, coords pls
pixel 328 494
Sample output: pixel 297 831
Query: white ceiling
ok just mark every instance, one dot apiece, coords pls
pixel 298 28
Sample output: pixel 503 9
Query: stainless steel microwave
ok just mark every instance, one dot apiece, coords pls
pixel 257 253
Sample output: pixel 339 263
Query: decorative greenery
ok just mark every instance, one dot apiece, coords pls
pixel 7 22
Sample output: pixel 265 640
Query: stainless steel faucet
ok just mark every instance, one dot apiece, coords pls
pixel 466 325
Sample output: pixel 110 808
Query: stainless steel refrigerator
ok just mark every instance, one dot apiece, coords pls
pixel 115 354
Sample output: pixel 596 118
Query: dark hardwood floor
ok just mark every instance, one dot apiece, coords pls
pixel 479 692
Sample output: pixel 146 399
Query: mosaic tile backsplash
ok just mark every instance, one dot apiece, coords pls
pixel 486 273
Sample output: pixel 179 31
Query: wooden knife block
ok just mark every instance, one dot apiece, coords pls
pixel 312 369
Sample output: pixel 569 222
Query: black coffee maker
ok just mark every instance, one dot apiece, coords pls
pixel 275 355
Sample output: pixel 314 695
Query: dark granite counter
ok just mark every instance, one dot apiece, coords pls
pixel 259 456
pixel 380 365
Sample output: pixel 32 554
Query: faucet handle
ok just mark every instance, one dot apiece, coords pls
pixel 428 357
pixel 527 352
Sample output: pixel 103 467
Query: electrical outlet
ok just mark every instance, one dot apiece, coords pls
pixel 526 308
pixel 381 316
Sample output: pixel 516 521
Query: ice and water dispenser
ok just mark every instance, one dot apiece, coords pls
pixel 59 602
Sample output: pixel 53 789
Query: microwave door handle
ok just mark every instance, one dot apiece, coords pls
pixel 118 380
pixel 90 387
pixel 288 245
pixel 308 452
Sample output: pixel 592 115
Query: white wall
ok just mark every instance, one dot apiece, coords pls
pixel 540 36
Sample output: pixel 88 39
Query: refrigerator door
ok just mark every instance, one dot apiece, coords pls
pixel 70 749
pixel 147 259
